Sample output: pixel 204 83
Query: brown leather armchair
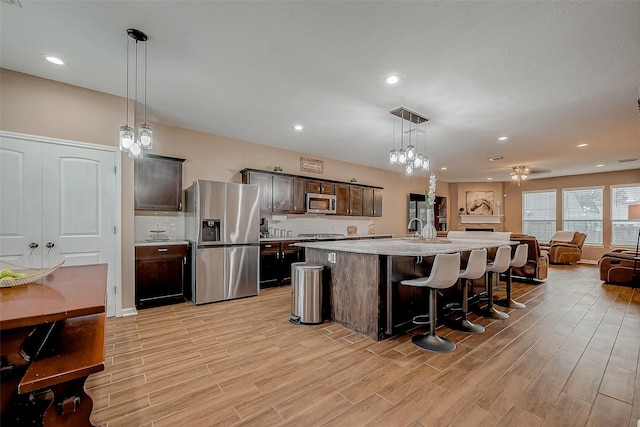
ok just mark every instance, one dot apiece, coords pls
pixel 617 266
pixel 565 247
pixel 537 264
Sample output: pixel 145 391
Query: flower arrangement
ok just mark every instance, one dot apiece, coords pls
pixel 431 194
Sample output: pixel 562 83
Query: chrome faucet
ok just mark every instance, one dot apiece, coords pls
pixel 419 231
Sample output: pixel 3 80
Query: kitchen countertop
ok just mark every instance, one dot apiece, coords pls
pixel 334 238
pixel 161 242
pixel 404 246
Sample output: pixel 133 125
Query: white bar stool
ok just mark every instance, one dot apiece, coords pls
pixel 519 259
pixel 500 264
pixel 476 266
pixel 444 274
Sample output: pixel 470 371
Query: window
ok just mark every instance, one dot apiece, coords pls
pixel 582 211
pixel 623 230
pixel 539 214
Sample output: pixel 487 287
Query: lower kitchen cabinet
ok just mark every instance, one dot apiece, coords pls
pixel 160 274
pixel 275 262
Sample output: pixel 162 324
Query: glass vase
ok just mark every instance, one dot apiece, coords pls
pixel 429 230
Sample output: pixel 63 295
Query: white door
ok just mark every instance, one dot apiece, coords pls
pixel 21 202
pixel 65 199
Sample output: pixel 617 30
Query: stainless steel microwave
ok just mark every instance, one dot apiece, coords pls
pixel 321 203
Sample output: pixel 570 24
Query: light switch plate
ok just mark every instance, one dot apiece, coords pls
pixel 332 257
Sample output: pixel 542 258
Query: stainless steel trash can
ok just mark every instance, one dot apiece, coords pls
pixel 306 293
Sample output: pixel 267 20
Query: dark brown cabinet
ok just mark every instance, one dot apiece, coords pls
pixel 342 199
pixel 160 274
pixel 275 262
pixel 276 191
pixel 282 193
pixel 320 187
pixel 158 183
pixel 372 202
pixel 349 200
pixel 298 195
pixel 355 200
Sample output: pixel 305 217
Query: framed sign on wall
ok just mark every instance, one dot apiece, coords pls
pixel 311 165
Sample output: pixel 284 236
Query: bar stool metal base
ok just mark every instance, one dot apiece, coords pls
pixel 494 314
pixel 433 343
pixel 464 325
pixel 509 303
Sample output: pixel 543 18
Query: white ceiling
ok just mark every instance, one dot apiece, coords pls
pixel 549 75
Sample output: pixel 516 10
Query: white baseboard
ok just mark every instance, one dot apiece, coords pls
pixel 588 261
pixel 128 312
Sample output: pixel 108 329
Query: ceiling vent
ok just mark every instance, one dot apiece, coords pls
pixel 633 159
pixel 494 158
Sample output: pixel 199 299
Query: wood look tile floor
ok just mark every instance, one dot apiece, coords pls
pixel 569 359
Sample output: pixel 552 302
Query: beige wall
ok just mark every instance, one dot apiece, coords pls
pixel 46 108
pixel 513 201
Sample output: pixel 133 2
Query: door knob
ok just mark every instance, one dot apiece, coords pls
pixel 33 246
pixel 49 245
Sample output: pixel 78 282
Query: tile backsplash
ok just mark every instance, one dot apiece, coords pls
pixel 173 225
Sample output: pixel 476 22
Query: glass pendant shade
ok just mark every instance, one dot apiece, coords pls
pixel 127 137
pixel 409 168
pixel 146 136
pixel 393 157
pixel 402 157
pixel 135 152
pixel 411 152
pixel 425 164
pixel 417 162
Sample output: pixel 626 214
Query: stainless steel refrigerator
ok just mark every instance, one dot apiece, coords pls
pixel 223 223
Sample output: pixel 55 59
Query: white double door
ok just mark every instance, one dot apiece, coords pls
pixel 58 202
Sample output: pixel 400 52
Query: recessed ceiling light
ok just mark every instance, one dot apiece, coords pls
pixel 489 179
pixel 600 165
pixel 55 60
pixel 298 127
pixel 444 168
pixel 503 138
pixel 392 79
pixel 581 145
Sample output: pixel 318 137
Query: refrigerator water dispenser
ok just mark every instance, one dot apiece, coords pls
pixel 210 230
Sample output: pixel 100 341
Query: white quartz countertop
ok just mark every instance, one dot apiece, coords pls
pixel 405 246
pixel 357 236
pixel 161 242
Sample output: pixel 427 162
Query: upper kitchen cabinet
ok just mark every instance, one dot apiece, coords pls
pixel 282 193
pixel 276 191
pixel 158 183
pixel 355 200
pixel 372 202
pixel 349 200
pixel 299 195
pixel 342 199
pixel 320 187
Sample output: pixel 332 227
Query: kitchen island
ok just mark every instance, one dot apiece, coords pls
pixel 361 280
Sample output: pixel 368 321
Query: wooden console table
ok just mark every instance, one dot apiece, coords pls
pixel 53 334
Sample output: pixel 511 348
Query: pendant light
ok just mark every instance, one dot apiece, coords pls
pixel 411 158
pixel 130 141
pixel 393 154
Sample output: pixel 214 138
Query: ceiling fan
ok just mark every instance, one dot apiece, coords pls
pixel 520 173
